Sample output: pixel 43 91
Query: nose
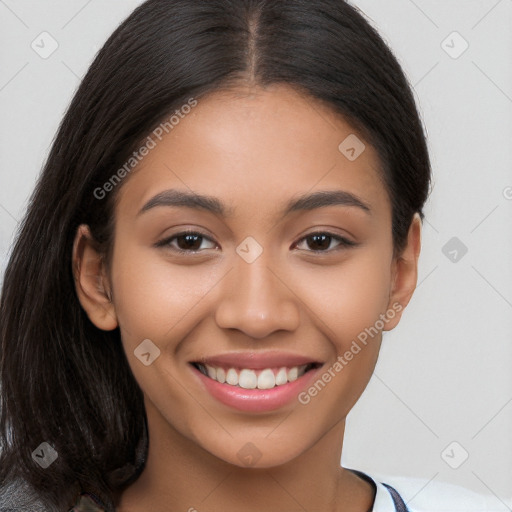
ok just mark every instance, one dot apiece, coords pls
pixel 257 300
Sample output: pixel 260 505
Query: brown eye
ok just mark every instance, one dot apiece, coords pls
pixel 189 242
pixel 322 242
pixel 186 242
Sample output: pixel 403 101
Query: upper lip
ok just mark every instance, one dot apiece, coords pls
pixel 257 360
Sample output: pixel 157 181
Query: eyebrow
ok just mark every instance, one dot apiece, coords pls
pixel 320 199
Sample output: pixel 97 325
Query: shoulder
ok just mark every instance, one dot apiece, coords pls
pixel 423 495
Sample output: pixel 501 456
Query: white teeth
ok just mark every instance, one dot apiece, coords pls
pixel 212 373
pixel 249 379
pixel 266 379
pixel 232 377
pixel 293 373
pixel 221 375
pixel 281 377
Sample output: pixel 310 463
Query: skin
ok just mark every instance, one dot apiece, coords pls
pixel 254 149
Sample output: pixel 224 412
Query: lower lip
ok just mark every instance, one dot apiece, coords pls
pixel 256 400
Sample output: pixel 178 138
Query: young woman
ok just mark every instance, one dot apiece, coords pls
pixel 228 220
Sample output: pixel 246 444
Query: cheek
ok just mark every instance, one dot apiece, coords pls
pixel 348 302
pixel 349 298
pixel 156 299
pixel 161 302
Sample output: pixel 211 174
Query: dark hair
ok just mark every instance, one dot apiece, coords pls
pixel 63 380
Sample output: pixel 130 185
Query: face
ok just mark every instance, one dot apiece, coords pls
pixel 276 286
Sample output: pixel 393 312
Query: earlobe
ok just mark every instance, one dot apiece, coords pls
pixel 91 282
pixel 405 273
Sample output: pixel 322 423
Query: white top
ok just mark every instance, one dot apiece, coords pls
pixel 420 495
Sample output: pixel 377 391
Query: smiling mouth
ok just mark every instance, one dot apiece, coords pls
pixel 247 378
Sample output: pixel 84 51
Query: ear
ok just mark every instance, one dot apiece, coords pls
pixel 405 273
pixel 91 281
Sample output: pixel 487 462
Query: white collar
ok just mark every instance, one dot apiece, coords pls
pixel 383 500
pixel 434 496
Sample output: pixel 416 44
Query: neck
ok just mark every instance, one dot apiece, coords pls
pixel 180 475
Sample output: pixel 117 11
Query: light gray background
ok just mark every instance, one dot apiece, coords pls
pixel 444 373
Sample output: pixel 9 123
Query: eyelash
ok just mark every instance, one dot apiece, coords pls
pixel 343 242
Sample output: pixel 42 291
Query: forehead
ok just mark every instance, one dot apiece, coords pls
pixel 254 147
